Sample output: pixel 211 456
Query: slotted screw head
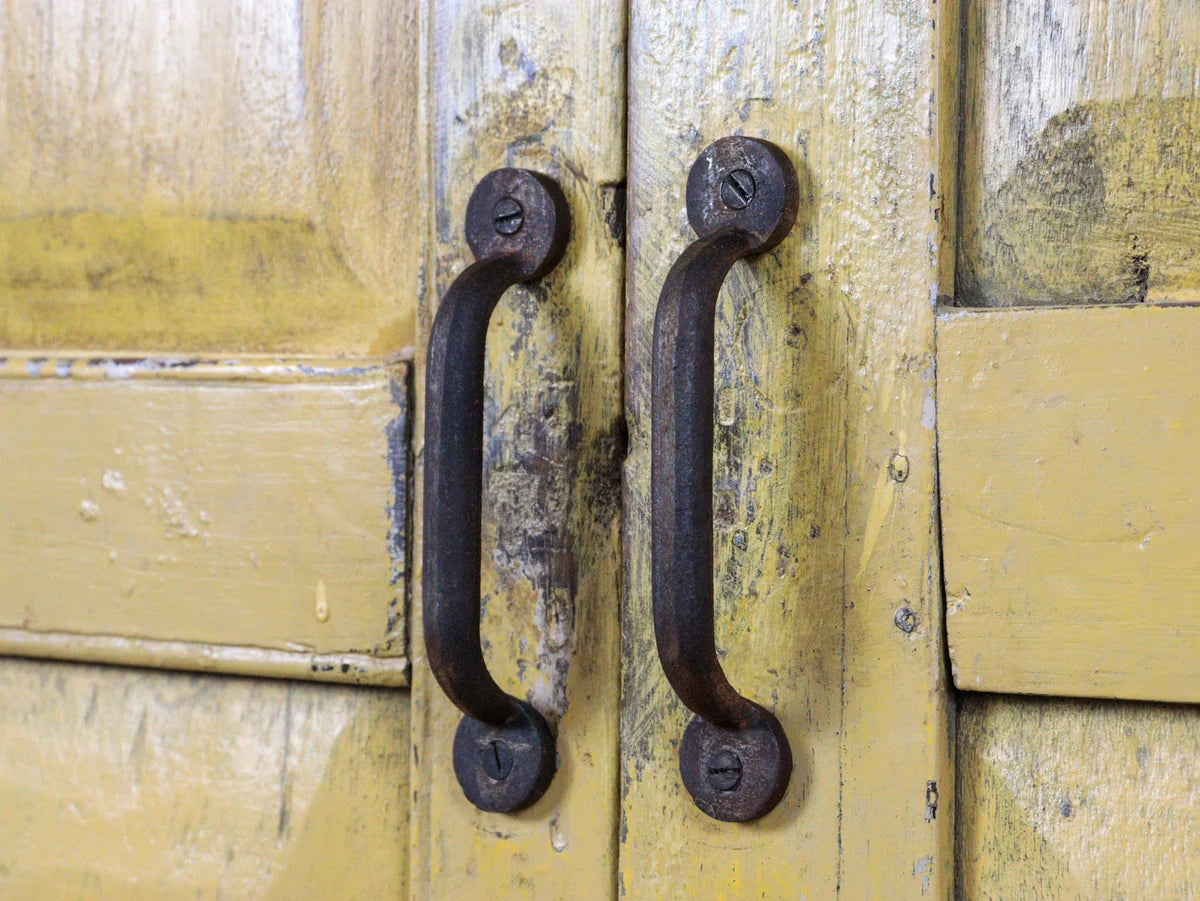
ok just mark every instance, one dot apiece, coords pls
pixel 724 771
pixel 508 216
pixel 497 759
pixel 737 190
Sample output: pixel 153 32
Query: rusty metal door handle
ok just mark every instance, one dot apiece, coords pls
pixel 517 226
pixel 742 197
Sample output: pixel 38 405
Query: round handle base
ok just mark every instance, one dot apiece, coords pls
pixel 736 775
pixel 504 768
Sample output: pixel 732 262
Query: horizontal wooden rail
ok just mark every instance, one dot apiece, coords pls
pixel 1069 461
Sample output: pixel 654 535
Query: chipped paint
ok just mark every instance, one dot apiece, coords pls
pixel 321 607
pixel 536 85
pixel 192 512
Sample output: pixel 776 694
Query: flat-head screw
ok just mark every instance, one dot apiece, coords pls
pixel 737 190
pixel 724 771
pixel 496 757
pixel 508 216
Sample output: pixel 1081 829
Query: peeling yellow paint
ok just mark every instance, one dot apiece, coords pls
pixel 541 86
pixel 824 502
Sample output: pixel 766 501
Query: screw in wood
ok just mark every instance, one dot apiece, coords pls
pixel 508 216
pixel 724 771
pixel 497 759
pixel 737 190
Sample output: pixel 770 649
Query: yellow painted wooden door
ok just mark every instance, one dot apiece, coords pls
pixel 828 606
pixel 951 157
pixel 952 462
pixel 828 600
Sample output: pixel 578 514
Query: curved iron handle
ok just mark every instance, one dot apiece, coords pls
pixel 517 226
pixel 742 197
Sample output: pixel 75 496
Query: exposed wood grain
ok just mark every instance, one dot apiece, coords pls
pixel 239 517
pixel 538 85
pixel 206 177
pixel 133 784
pixel 198 175
pixel 1081 152
pixel 1069 799
pixel 824 467
pixel 1067 446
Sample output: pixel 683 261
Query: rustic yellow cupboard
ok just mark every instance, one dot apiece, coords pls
pixel 953 501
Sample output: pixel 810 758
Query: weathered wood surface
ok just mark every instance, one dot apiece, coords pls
pixel 1080 176
pixel 240 517
pixel 197 175
pixel 1069 799
pixel 135 784
pixel 538 85
pixel 215 178
pixel 1066 444
pixel 1065 441
pixel 828 603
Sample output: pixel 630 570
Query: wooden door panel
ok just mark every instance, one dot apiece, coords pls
pixel 197 176
pixel 1067 443
pixel 1063 432
pixel 247 517
pixel 1064 449
pixel 190 191
pixel 1080 165
pixel 828 596
pixel 202 180
pixel 1077 799
pixel 139 784
pixel 537 85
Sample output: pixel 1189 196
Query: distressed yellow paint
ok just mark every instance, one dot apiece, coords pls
pixel 210 179
pixel 200 176
pixel 538 85
pixel 1071 799
pixel 1066 443
pixel 135 784
pixel 173 513
pixel 1067 451
pixel 824 367
pixel 1081 152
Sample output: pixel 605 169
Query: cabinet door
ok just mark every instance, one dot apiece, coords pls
pixel 828 600
pixel 1066 436
pixel 208 274
pixel 537 85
